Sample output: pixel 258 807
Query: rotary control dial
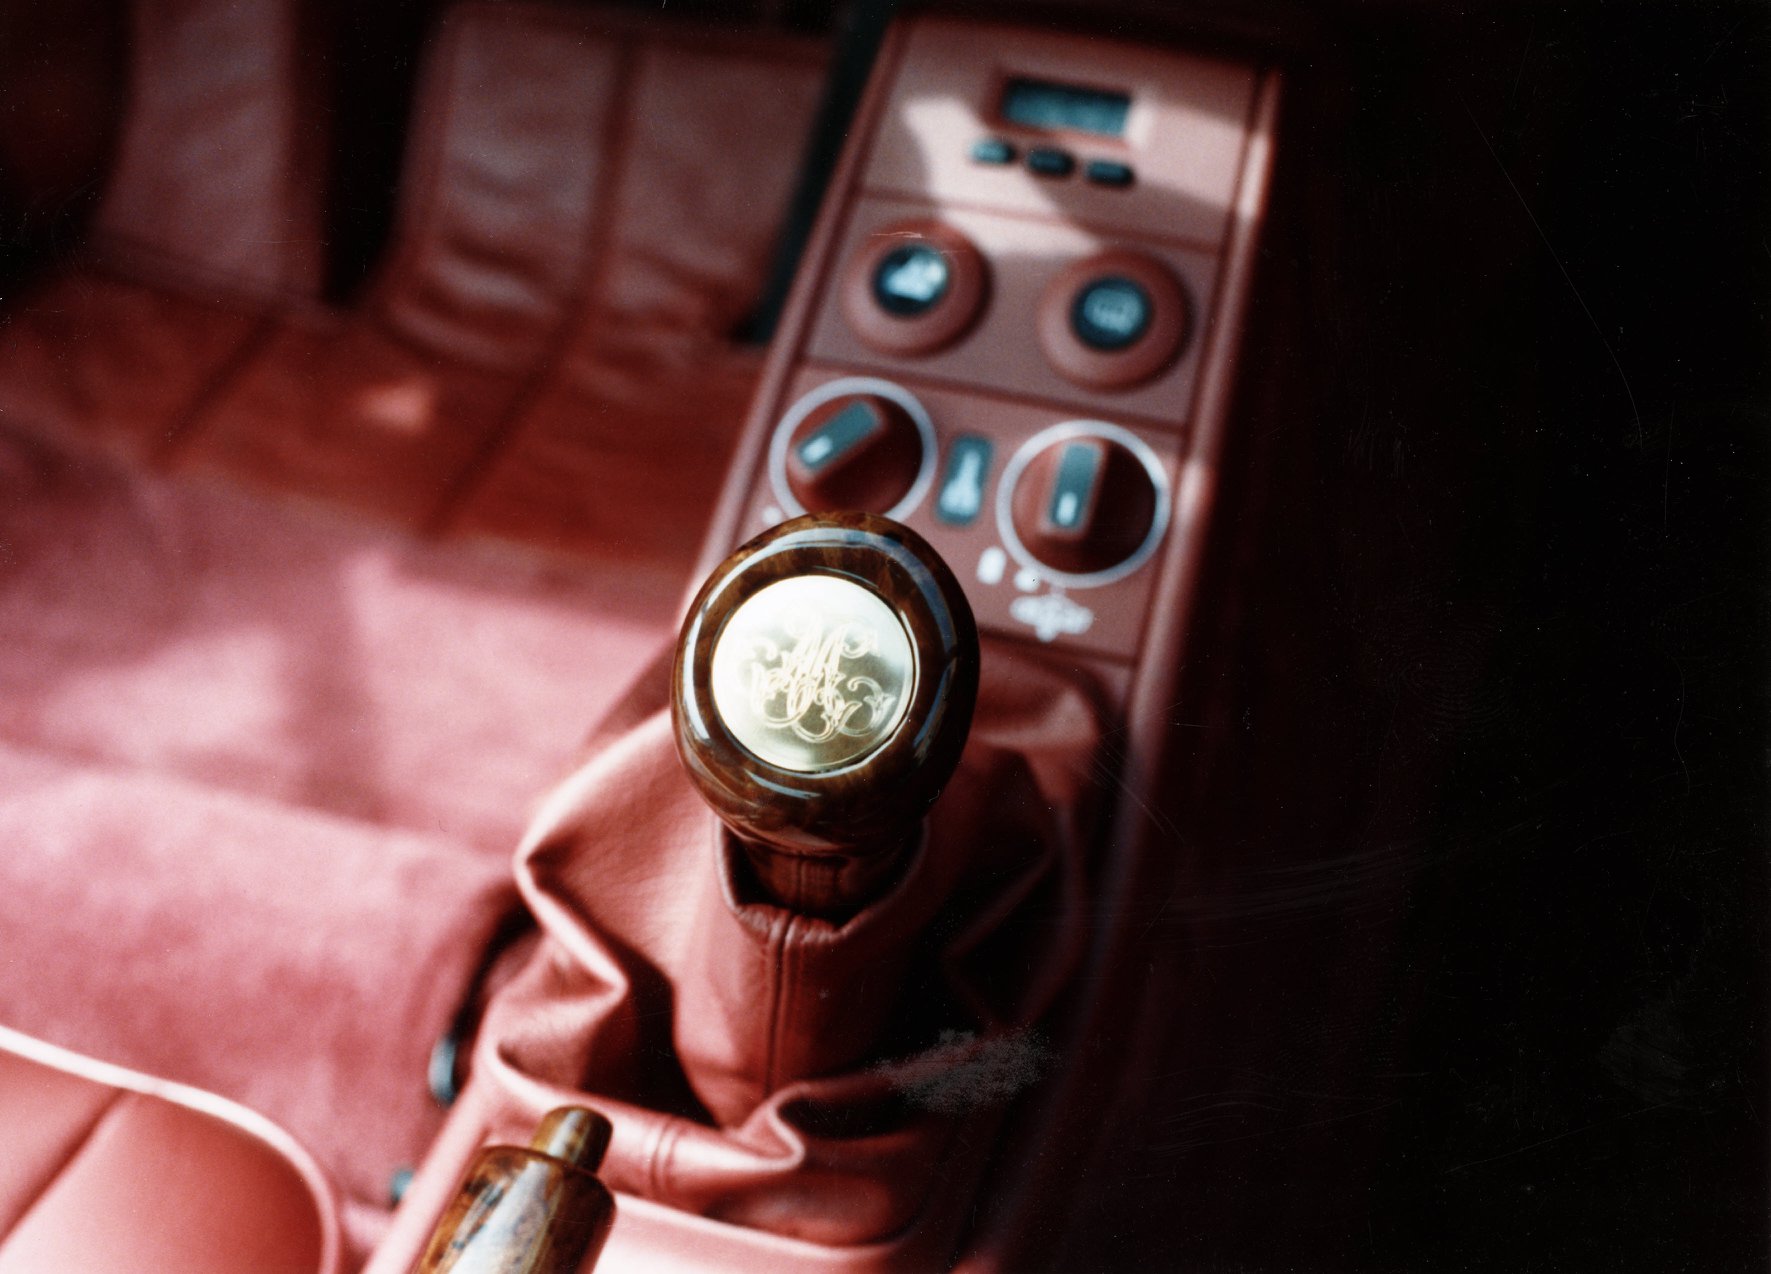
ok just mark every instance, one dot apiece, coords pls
pixel 857 452
pixel 1084 503
pixel 856 444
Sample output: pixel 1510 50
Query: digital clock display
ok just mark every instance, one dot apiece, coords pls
pixel 1039 104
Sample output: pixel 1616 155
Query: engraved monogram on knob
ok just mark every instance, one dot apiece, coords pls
pixel 802 687
pixel 821 696
pixel 812 673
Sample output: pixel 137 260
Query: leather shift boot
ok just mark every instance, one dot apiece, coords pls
pixel 776 1070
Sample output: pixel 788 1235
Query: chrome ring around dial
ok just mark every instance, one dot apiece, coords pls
pixel 1017 465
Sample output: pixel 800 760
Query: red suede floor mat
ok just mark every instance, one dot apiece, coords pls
pixel 205 633
pixel 316 960
pixel 261 770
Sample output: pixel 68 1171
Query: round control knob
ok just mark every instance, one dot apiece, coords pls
pixel 858 452
pixel 1083 503
pixel 914 287
pixel 822 693
pixel 853 444
pixel 1113 320
pixel 911 279
pixel 1111 313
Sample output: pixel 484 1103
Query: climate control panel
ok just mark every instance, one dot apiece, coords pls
pixel 1014 327
pixel 1050 522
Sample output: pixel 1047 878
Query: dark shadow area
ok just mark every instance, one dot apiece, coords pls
pixel 373 59
pixel 64 71
pixel 1469 909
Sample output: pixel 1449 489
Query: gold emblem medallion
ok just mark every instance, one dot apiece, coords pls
pixel 813 672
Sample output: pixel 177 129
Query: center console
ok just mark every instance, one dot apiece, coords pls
pixel 1016 325
pixel 833 1004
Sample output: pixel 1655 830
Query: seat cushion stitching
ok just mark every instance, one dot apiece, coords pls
pixel 74 1152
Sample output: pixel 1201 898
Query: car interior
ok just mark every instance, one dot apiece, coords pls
pixel 883 635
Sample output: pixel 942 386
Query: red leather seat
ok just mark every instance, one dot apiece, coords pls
pixel 106 1171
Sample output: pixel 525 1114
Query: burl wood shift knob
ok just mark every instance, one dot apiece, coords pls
pixel 823 690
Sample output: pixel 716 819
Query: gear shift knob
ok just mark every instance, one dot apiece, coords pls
pixel 822 694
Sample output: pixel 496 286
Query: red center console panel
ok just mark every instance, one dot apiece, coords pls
pixel 1036 256
pixel 1014 332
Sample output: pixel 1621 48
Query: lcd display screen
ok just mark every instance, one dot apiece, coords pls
pixel 1039 104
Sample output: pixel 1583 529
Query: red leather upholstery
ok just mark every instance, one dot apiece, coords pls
pixel 619 454
pixel 98 360
pixel 217 171
pixel 210 216
pixel 546 355
pixel 105 1171
pixel 384 408
pixel 826 1093
pixel 251 726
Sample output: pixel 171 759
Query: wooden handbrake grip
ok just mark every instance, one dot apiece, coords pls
pixel 823 690
pixel 535 1209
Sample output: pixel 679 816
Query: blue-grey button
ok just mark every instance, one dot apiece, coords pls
pixel 911 280
pixel 1108 172
pixel 1111 313
pixel 992 150
pixel 1049 161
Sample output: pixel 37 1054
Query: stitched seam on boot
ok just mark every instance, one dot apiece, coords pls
pixel 780 935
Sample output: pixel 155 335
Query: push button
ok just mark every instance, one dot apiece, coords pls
pixel 1113 320
pixel 913 287
pixel 911 280
pixel 1108 172
pixel 1049 161
pixel 1111 313
pixel 992 150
